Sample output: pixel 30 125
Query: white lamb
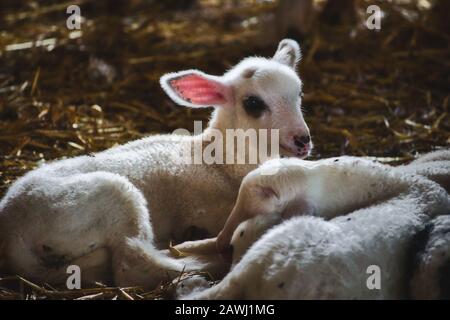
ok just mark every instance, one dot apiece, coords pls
pixel 307 257
pixel 111 208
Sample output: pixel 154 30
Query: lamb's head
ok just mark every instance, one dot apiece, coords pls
pixel 249 231
pixel 257 93
pixel 276 188
pixel 264 200
pixel 258 196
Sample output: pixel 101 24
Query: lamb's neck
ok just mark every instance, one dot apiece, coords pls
pixel 221 120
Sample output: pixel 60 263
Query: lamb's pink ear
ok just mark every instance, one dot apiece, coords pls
pixel 196 89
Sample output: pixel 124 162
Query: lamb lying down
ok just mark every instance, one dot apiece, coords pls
pixel 111 212
pixel 291 186
pixel 307 257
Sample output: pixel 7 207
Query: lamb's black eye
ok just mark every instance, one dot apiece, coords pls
pixel 254 106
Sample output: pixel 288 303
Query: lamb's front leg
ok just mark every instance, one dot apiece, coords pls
pixel 325 188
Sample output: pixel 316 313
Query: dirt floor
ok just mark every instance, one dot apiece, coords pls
pixel 383 94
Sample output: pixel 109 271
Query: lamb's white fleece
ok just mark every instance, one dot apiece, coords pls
pixel 431 266
pixel 309 258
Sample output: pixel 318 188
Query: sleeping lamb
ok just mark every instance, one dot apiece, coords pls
pixel 374 210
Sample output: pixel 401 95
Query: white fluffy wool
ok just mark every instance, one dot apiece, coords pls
pixel 309 258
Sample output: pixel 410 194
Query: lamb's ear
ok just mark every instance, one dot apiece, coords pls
pixel 193 88
pixel 288 53
pixel 267 192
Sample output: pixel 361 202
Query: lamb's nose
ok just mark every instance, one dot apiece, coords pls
pixel 301 141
